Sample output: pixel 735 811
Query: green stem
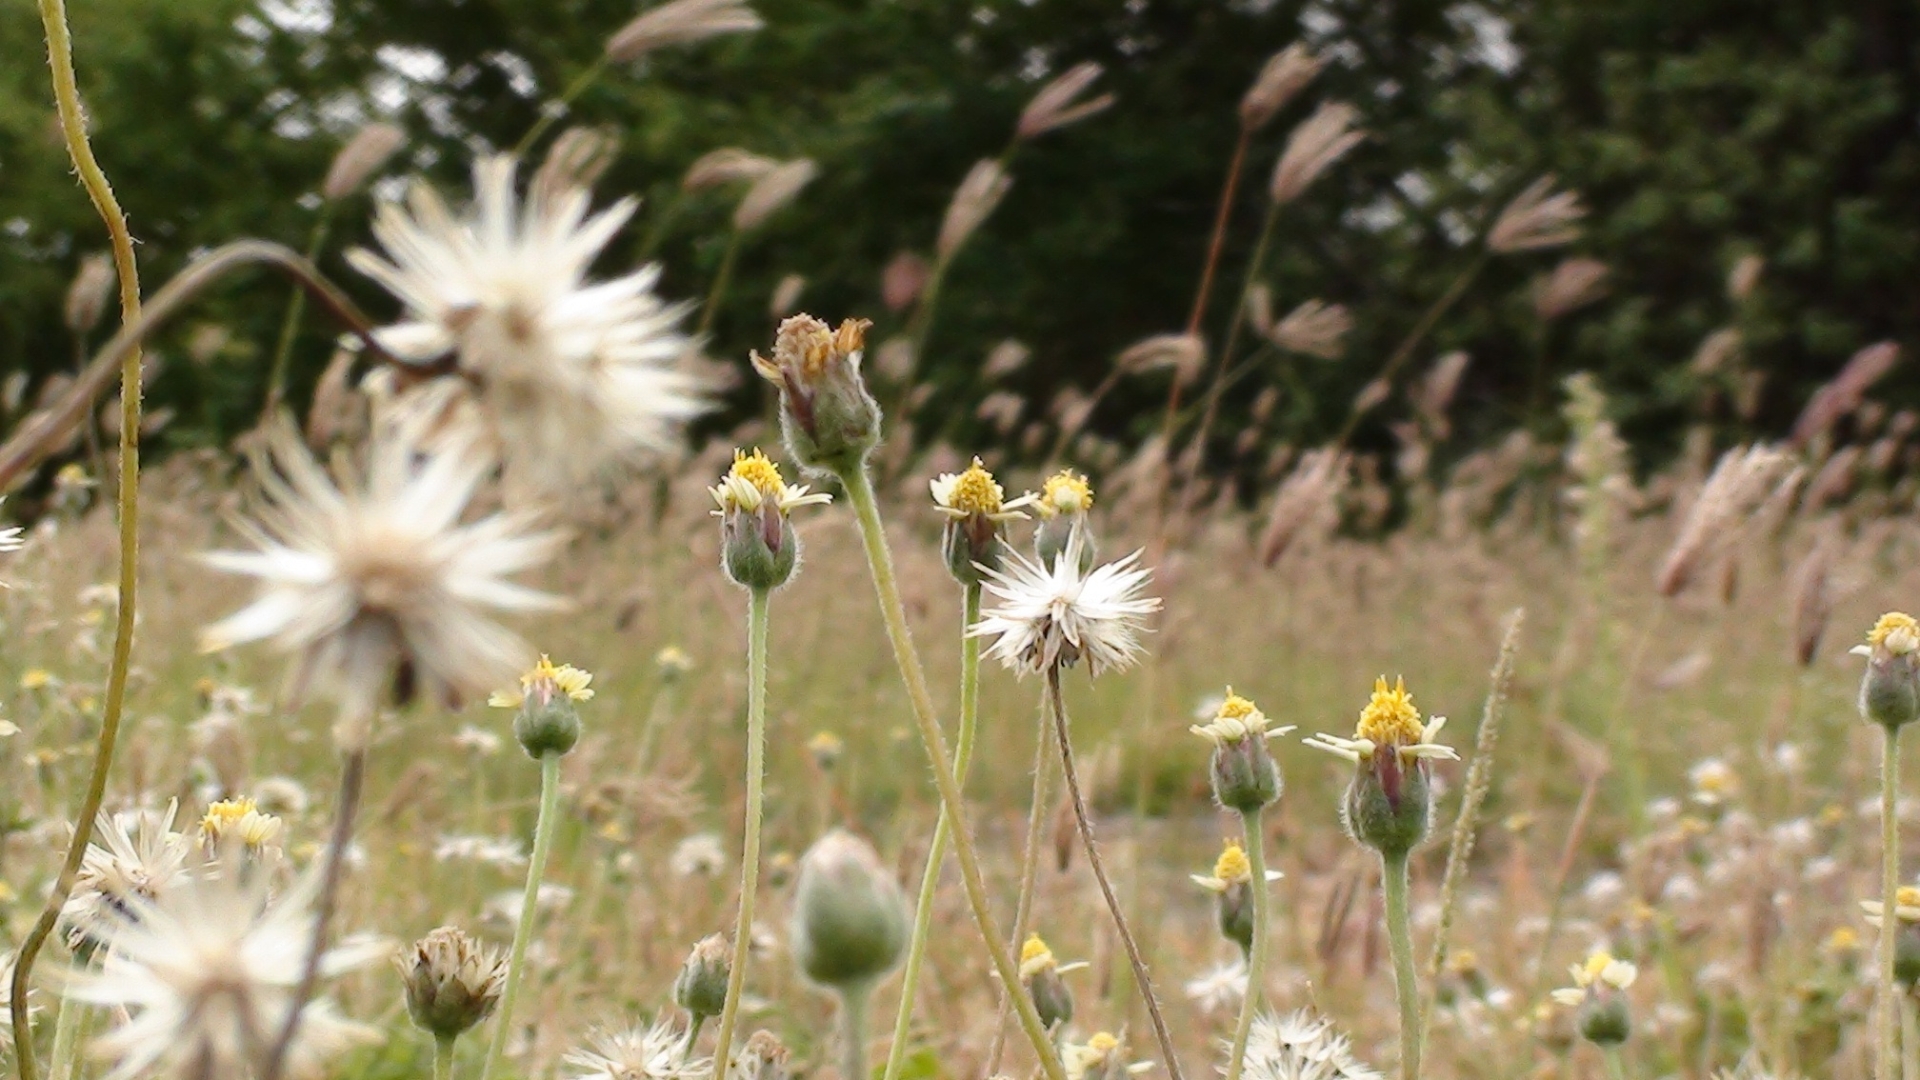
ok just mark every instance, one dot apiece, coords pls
pixel 1029 879
pixel 936 855
pixel 859 489
pixel 1257 957
pixel 68 1019
pixel 543 830
pixel 719 291
pixel 1393 874
pixel 443 1058
pixel 290 322
pixel 1889 900
pixel 853 1033
pixel 73 127
pixel 1616 1065
pixel 553 110
pixel 1418 334
pixel 750 846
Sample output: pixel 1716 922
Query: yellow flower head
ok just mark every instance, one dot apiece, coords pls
pixel 1601 972
pixel 239 819
pixel 1235 720
pixel 544 682
pixel 1232 866
pixel 753 481
pixel 825 747
pixel 35 679
pixel 1065 492
pixel 1235 707
pixel 1103 1043
pixel 1896 633
pixel 975 491
pixel 673 662
pixel 759 470
pixel 1035 957
pixel 1390 718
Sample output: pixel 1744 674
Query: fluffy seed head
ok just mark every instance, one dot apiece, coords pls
pixel 681 22
pixel 1537 218
pixel 1321 140
pixel 1056 105
pixel 1285 74
pixel 780 186
pixel 1059 613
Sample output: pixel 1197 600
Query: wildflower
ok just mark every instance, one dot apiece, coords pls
pixel 547 722
pixel 681 22
pixel 758 546
pixel 1537 218
pixel 571 374
pixel 976 509
pixel 654 1053
pixel 378 584
pixel 849 919
pixel 1714 782
pixel 1232 884
pixel 701 986
pixel 35 679
pixel 1055 616
pixel 135 855
pixel 1055 105
pixel 1102 1057
pixel 830 420
pixel 206 970
pixel 239 821
pixel 1391 797
pixel 369 149
pixel 1285 74
pixel 1597 991
pixel 1321 140
pixel 974 201
pixel 451 982
pixel 1906 935
pixel 780 186
pixel 1063 504
pixel 825 748
pixel 700 854
pixel 1301 1046
pixel 673 663
pixel 1219 988
pixel 1040 976
pixel 1243 773
pixel 1890 689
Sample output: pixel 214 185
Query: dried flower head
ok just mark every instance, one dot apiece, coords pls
pixel 1056 615
pixel 655 1053
pixel 571 375
pixel 379 584
pixel 1321 140
pixel 680 22
pixel 1285 74
pixel 1315 328
pixel 451 982
pixel 1537 218
pixel 1573 285
pixel 135 855
pixel 365 154
pixel 1057 104
pixel 727 165
pixel 973 202
pixel 830 419
pixel 87 296
pixel 770 193
pixel 1301 1046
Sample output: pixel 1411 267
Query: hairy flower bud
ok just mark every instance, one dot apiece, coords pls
pixel 1232 885
pixel 830 420
pixel 758 547
pixel 1040 974
pixel 976 512
pixel 849 919
pixel 1604 1019
pixel 701 986
pixel 451 982
pixel 1243 773
pixel 1389 804
pixel 1890 689
pixel 545 721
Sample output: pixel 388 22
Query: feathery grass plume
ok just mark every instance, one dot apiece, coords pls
pixel 89 292
pixel 680 22
pixel 1739 482
pixel 1321 140
pixel 1812 602
pixel 727 165
pixel 635 1053
pixel 1599 994
pixel 1259 308
pixel 973 202
pixel 1185 354
pixel 450 981
pixel 335 405
pixel 1005 358
pixel 1572 285
pixel 772 192
pixel 1845 393
pixel 1597 457
pixel 364 155
pixel 1057 104
pixel 1307 506
pixel 1744 277
pixel 1315 328
pixel 1433 395
pixel 1285 74
pixel 905 276
pixel 1537 218
pixel 575 162
pixel 786 296
pixel 1715 351
pixel 377 584
pixel 572 375
pixel 1301 1046
pixel 208 971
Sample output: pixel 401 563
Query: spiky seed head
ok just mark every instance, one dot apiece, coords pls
pixel 451 981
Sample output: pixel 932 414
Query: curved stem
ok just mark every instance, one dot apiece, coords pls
pixel 853 1033
pixel 1218 240
pixel 750 846
pixel 1393 880
pixel 936 854
pixel 859 488
pixel 1139 963
pixel 34 441
pixel 353 773
pixel 1419 332
pixel 543 830
pixel 555 109
pixel 1029 878
pixel 1889 901
pixel 73 127
pixel 290 322
pixel 1257 956
pixel 710 310
pixel 1216 388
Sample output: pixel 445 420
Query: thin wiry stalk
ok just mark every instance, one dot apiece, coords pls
pixel 1210 407
pixel 1029 879
pixel 1406 986
pixel 1404 351
pixel 1141 976
pixel 73 127
pixel 859 488
pixel 543 830
pixel 1888 1033
pixel 557 108
pixel 750 845
pixel 936 855
pixel 718 293
pixel 1257 956
pixel 290 322
pixel 353 774
pixel 1220 217
pixel 1479 782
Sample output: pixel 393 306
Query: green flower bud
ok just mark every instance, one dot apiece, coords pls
pixel 849 919
pixel 1604 1019
pixel 450 981
pixel 1599 995
pixel 701 986
pixel 1041 975
pixel 1890 689
pixel 546 721
pixel 830 420
pixel 758 547
pixel 1242 770
pixel 1234 912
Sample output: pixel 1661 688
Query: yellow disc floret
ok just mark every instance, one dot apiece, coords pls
pixel 759 470
pixel 1232 866
pixel 1066 492
pixel 1035 957
pixel 1907 896
pixel 1390 718
pixel 1236 707
pixel 1896 632
pixel 1102 1043
pixel 976 492
pixel 545 681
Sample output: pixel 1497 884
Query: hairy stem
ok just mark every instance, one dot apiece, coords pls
pixel 1393 879
pixel 893 612
pixel 1257 956
pixel 1029 879
pixel 1889 902
pixel 930 878
pixel 353 775
pixel 750 844
pixel 853 1032
pixel 73 127
pixel 1141 977
pixel 543 830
